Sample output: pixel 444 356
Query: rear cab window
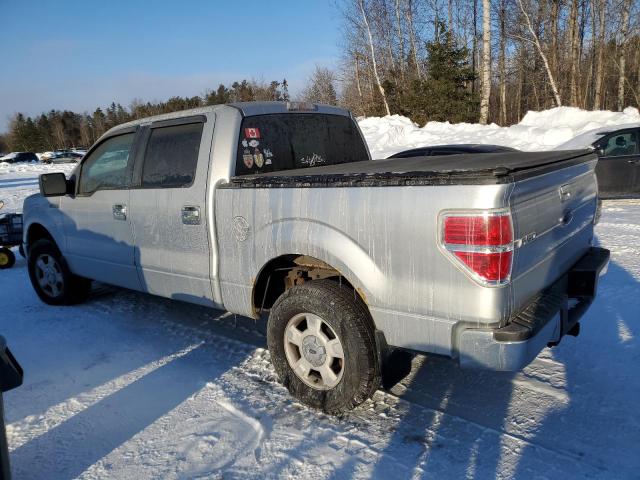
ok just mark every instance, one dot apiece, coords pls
pixel 275 142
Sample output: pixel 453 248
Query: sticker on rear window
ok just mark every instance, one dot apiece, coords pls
pixel 252 133
pixel 312 160
pixel 258 159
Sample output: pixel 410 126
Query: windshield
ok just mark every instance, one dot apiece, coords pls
pixel 269 143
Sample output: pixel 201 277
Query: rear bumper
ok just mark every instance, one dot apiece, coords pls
pixel 545 320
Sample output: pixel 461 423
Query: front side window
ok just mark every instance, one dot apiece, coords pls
pixel 172 156
pixel 623 143
pixel 109 165
pixel 269 143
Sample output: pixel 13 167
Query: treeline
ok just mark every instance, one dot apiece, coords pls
pixel 488 60
pixel 455 60
pixel 65 129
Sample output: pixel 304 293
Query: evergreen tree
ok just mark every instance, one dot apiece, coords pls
pixel 285 90
pixel 443 95
pixel 220 96
pixel 321 87
pixel 4 144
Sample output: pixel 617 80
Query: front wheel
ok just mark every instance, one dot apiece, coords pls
pixel 51 278
pixel 322 343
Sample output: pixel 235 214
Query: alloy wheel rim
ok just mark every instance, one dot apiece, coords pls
pixel 314 351
pixel 49 275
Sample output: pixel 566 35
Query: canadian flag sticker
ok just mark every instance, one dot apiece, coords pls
pixel 252 133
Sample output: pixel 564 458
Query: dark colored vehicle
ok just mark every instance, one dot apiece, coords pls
pixel 437 150
pixel 63 156
pixel 10 236
pixel 20 157
pixel 10 377
pixel 618 168
pixel 618 150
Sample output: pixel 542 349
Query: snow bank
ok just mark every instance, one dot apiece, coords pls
pixel 537 130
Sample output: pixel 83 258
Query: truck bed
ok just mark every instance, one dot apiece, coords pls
pixel 465 169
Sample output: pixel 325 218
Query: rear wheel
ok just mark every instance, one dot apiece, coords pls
pixel 51 278
pixel 322 344
pixel 7 258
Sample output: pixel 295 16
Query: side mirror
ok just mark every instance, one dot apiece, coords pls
pixel 53 184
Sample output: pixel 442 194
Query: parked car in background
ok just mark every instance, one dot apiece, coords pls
pixel 16 157
pixel 61 156
pixel 618 151
pixel 277 207
pixel 455 149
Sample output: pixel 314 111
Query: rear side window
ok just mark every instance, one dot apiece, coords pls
pixel 269 143
pixel 171 156
pixel 26 157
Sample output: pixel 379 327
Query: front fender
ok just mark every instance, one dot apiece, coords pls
pixel 38 210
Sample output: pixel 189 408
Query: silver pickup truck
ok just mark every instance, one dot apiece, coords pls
pixel 278 208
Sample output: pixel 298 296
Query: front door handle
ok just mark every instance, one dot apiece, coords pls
pixel 191 215
pixel 635 162
pixel 119 211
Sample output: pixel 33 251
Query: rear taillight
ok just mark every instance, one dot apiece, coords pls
pixel 481 243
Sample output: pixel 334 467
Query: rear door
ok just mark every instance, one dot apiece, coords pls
pixel 168 209
pixel 618 168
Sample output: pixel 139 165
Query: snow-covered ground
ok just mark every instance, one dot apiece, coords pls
pixel 134 386
pixel 19 180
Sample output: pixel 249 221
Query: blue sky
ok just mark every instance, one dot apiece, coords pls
pixel 82 54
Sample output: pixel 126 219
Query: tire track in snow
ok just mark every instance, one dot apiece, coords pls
pixel 256 372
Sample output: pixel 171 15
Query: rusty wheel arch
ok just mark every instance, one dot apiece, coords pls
pixel 286 271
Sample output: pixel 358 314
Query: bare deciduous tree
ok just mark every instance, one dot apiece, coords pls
pixel 373 58
pixel 536 42
pixel 486 61
pixel 624 28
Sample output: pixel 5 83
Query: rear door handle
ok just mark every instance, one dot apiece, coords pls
pixel 119 211
pixel 635 162
pixel 190 215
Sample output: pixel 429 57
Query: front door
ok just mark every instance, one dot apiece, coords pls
pixel 169 210
pixel 618 168
pixel 99 238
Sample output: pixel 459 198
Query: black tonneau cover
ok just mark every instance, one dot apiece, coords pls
pixel 469 168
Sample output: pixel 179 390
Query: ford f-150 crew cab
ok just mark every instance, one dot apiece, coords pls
pixel 278 208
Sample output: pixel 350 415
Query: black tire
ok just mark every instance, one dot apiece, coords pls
pixel 70 290
pixel 21 251
pixel 7 258
pixel 347 315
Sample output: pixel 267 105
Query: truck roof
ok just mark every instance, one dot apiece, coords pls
pixel 246 108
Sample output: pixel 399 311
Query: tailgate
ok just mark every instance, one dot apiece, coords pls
pixel 553 226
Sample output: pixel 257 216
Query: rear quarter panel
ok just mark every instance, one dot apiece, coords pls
pixel 382 239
